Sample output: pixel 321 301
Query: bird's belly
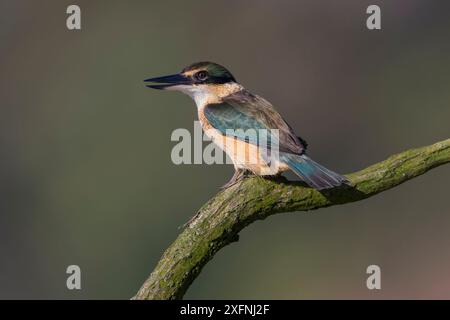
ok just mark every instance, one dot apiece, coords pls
pixel 246 155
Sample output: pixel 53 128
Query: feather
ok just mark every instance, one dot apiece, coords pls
pixel 243 110
pixel 314 174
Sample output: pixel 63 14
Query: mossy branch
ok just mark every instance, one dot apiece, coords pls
pixel 220 220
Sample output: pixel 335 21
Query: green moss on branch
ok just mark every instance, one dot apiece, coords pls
pixel 220 220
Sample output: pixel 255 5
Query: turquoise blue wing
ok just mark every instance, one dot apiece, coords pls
pixel 231 121
pixel 242 115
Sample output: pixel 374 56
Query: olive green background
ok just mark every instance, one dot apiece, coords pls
pixel 85 171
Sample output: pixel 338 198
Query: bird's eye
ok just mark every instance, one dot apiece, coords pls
pixel 201 75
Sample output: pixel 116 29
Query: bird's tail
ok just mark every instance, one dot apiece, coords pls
pixel 315 175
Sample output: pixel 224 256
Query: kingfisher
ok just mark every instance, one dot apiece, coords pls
pixel 226 111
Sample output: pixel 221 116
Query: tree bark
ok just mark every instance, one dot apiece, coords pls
pixel 220 220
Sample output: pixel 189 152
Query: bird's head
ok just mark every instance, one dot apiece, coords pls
pixel 197 80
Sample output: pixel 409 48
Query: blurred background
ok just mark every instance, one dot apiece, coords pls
pixel 85 171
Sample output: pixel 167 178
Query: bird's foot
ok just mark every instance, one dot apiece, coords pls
pixel 239 175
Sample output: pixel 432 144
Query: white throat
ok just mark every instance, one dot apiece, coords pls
pixel 200 94
pixel 206 94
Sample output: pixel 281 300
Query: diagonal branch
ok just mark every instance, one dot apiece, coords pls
pixel 220 220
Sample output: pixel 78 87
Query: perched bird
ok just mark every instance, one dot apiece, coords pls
pixel 227 110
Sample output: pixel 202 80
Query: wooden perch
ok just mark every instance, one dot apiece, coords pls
pixel 220 220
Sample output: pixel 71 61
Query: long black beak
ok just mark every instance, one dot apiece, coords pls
pixel 168 81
